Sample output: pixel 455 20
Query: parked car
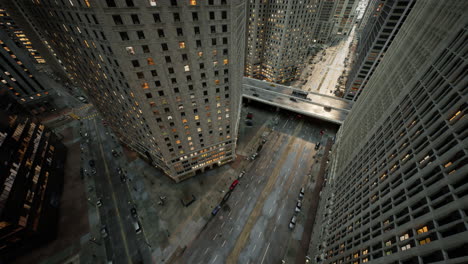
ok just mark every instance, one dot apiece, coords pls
pixel 249 115
pixel 234 184
pixel 123 179
pixel 104 233
pixel 241 174
pixel 317 146
pixel 301 193
pixel 292 99
pixel 216 210
pixel 298 207
pixel 99 203
pixel 114 153
pixel 248 123
pixel 292 223
pixel 93 171
pixel 327 108
pixel 92 163
pixel 133 211
pixel 137 227
pixel 253 156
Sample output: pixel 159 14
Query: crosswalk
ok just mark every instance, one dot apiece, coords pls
pixel 84 112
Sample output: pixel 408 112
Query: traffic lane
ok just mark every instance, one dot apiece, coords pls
pixel 232 222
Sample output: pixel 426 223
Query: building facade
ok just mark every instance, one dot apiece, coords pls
pixel 31 180
pixel 345 17
pixel 278 38
pixel 323 27
pixel 383 23
pixel 166 75
pixel 397 182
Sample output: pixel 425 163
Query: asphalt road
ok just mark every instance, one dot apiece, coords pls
pixel 122 245
pixel 252 227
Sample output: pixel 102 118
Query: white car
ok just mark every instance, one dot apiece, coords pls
pixel 298 207
pixel 292 223
pixel 301 193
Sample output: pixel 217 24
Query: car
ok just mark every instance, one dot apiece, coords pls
pixel 248 123
pixel 104 233
pixel 137 227
pixel 93 171
pixel 256 95
pixel 327 108
pixel 292 223
pixel 249 115
pixel 234 184
pixel 133 212
pixel 292 99
pixel 119 170
pixel 317 146
pixel 99 203
pixel 253 156
pixel 241 174
pixel 123 179
pixel 272 85
pixel 298 207
pixel 301 193
pixel 216 210
pixel 114 153
pixel 92 163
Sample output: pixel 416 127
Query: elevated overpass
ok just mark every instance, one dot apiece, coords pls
pixel 325 107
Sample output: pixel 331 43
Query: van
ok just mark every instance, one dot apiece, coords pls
pixel 137 227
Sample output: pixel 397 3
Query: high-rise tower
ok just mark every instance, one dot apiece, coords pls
pixel 345 17
pixel 397 183
pixel 166 75
pixel 278 38
pixel 384 20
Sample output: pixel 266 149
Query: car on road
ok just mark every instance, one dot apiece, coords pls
pixel 298 207
pixel 272 85
pixel 99 203
pixel 104 232
pixel 133 211
pixel 327 108
pixel 123 179
pixel 253 156
pixel 292 99
pixel 241 174
pixel 234 184
pixel 317 146
pixel 292 223
pixel 92 163
pixel 301 193
pixel 249 115
pixel 114 153
pixel 248 123
pixel 119 170
pixel 137 227
pixel 216 210
pixel 93 171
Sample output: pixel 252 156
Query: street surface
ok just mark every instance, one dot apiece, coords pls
pixel 322 76
pixel 252 227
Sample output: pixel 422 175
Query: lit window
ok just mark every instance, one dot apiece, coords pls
pixel 187 68
pixel 216 81
pixel 404 237
pixel 197 117
pixel 423 230
pixel 193 2
pixel 424 241
pixel 152 2
pixel 226 61
pixel 405 247
pixel 184 121
pixel 200 54
pixel 145 85
pixel 182 45
pixel 150 61
pixel 130 50
pixel 215 63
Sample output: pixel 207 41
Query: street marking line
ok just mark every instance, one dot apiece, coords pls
pixel 264 254
pixel 224 243
pixel 230 231
pixel 215 236
pixel 274 229
pixel 119 220
pixel 214 259
pixel 259 234
pixel 222 224
pixel 206 251
pixel 254 248
pixel 270 210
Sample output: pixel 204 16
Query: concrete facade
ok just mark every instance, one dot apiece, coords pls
pixel 345 17
pixel 384 20
pixel 324 23
pixel 278 38
pixel 166 75
pixel 397 183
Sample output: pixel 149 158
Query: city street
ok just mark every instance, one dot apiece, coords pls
pixel 252 227
pixel 323 75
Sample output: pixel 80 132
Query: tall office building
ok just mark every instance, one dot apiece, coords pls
pixel 322 31
pixel 384 21
pixel 166 75
pixel 397 187
pixel 278 38
pixel 345 17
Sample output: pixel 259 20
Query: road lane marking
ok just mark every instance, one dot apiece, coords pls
pixel 274 229
pixel 264 254
pixel 230 231
pixel 214 259
pixel 222 224
pixel 270 210
pixel 279 216
pixel 254 248
pixel 224 243
pixel 206 251
pixel 259 234
pixel 215 236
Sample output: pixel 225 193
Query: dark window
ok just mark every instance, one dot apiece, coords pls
pixel 179 32
pixel 210 2
pixel 196 30
pixel 124 35
pixel 173 80
pixel 170 69
pixel 145 49
pixel 216 73
pixel 212 15
pixel 110 3
pixel 202 65
pixel 198 43
pixel 140 35
pixel 205 92
pixel 164 46
pixel 149 95
pixel 117 19
pixel 156 17
pixel 176 17
pixel 226 71
pixel 135 63
pixel 223 2
pixel 190 87
pixel 225 41
pixel 225 52
pixel 154 73
pixel 176 90
pixel 161 93
pixel 189 78
pixel 203 75
pixel 168 59
pixel 173 2
pixel 161 33
pixel 224 28
pixel 213 29
pixel 213 41
pixel 194 16
pixel 135 19
pixel 223 14
pixel 157 83
pixel 184 57
pixel 140 75
pixel 129 3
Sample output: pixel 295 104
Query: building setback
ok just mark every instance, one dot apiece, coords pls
pixel 278 38
pixel 397 183
pixel 31 180
pixel 384 21
pixel 166 75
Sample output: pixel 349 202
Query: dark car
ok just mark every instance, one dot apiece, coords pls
pixel 292 99
pixel 248 123
pixel 114 153
pixel 133 211
pixel 216 210
pixel 92 163
pixel 317 146
pixel 119 170
pixel 249 115
pixel 234 184
pixel 123 178
pixel 104 232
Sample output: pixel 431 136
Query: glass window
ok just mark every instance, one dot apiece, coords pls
pixel 152 2
pixel 130 50
pixel 182 44
pixel 150 61
pixel 187 68
pixel 193 2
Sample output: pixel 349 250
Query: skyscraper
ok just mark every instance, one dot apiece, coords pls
pixel 397 184
pixel 345 16
pixel 384 20
pixel 278 38
pixel 166 75
pixel 324 21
